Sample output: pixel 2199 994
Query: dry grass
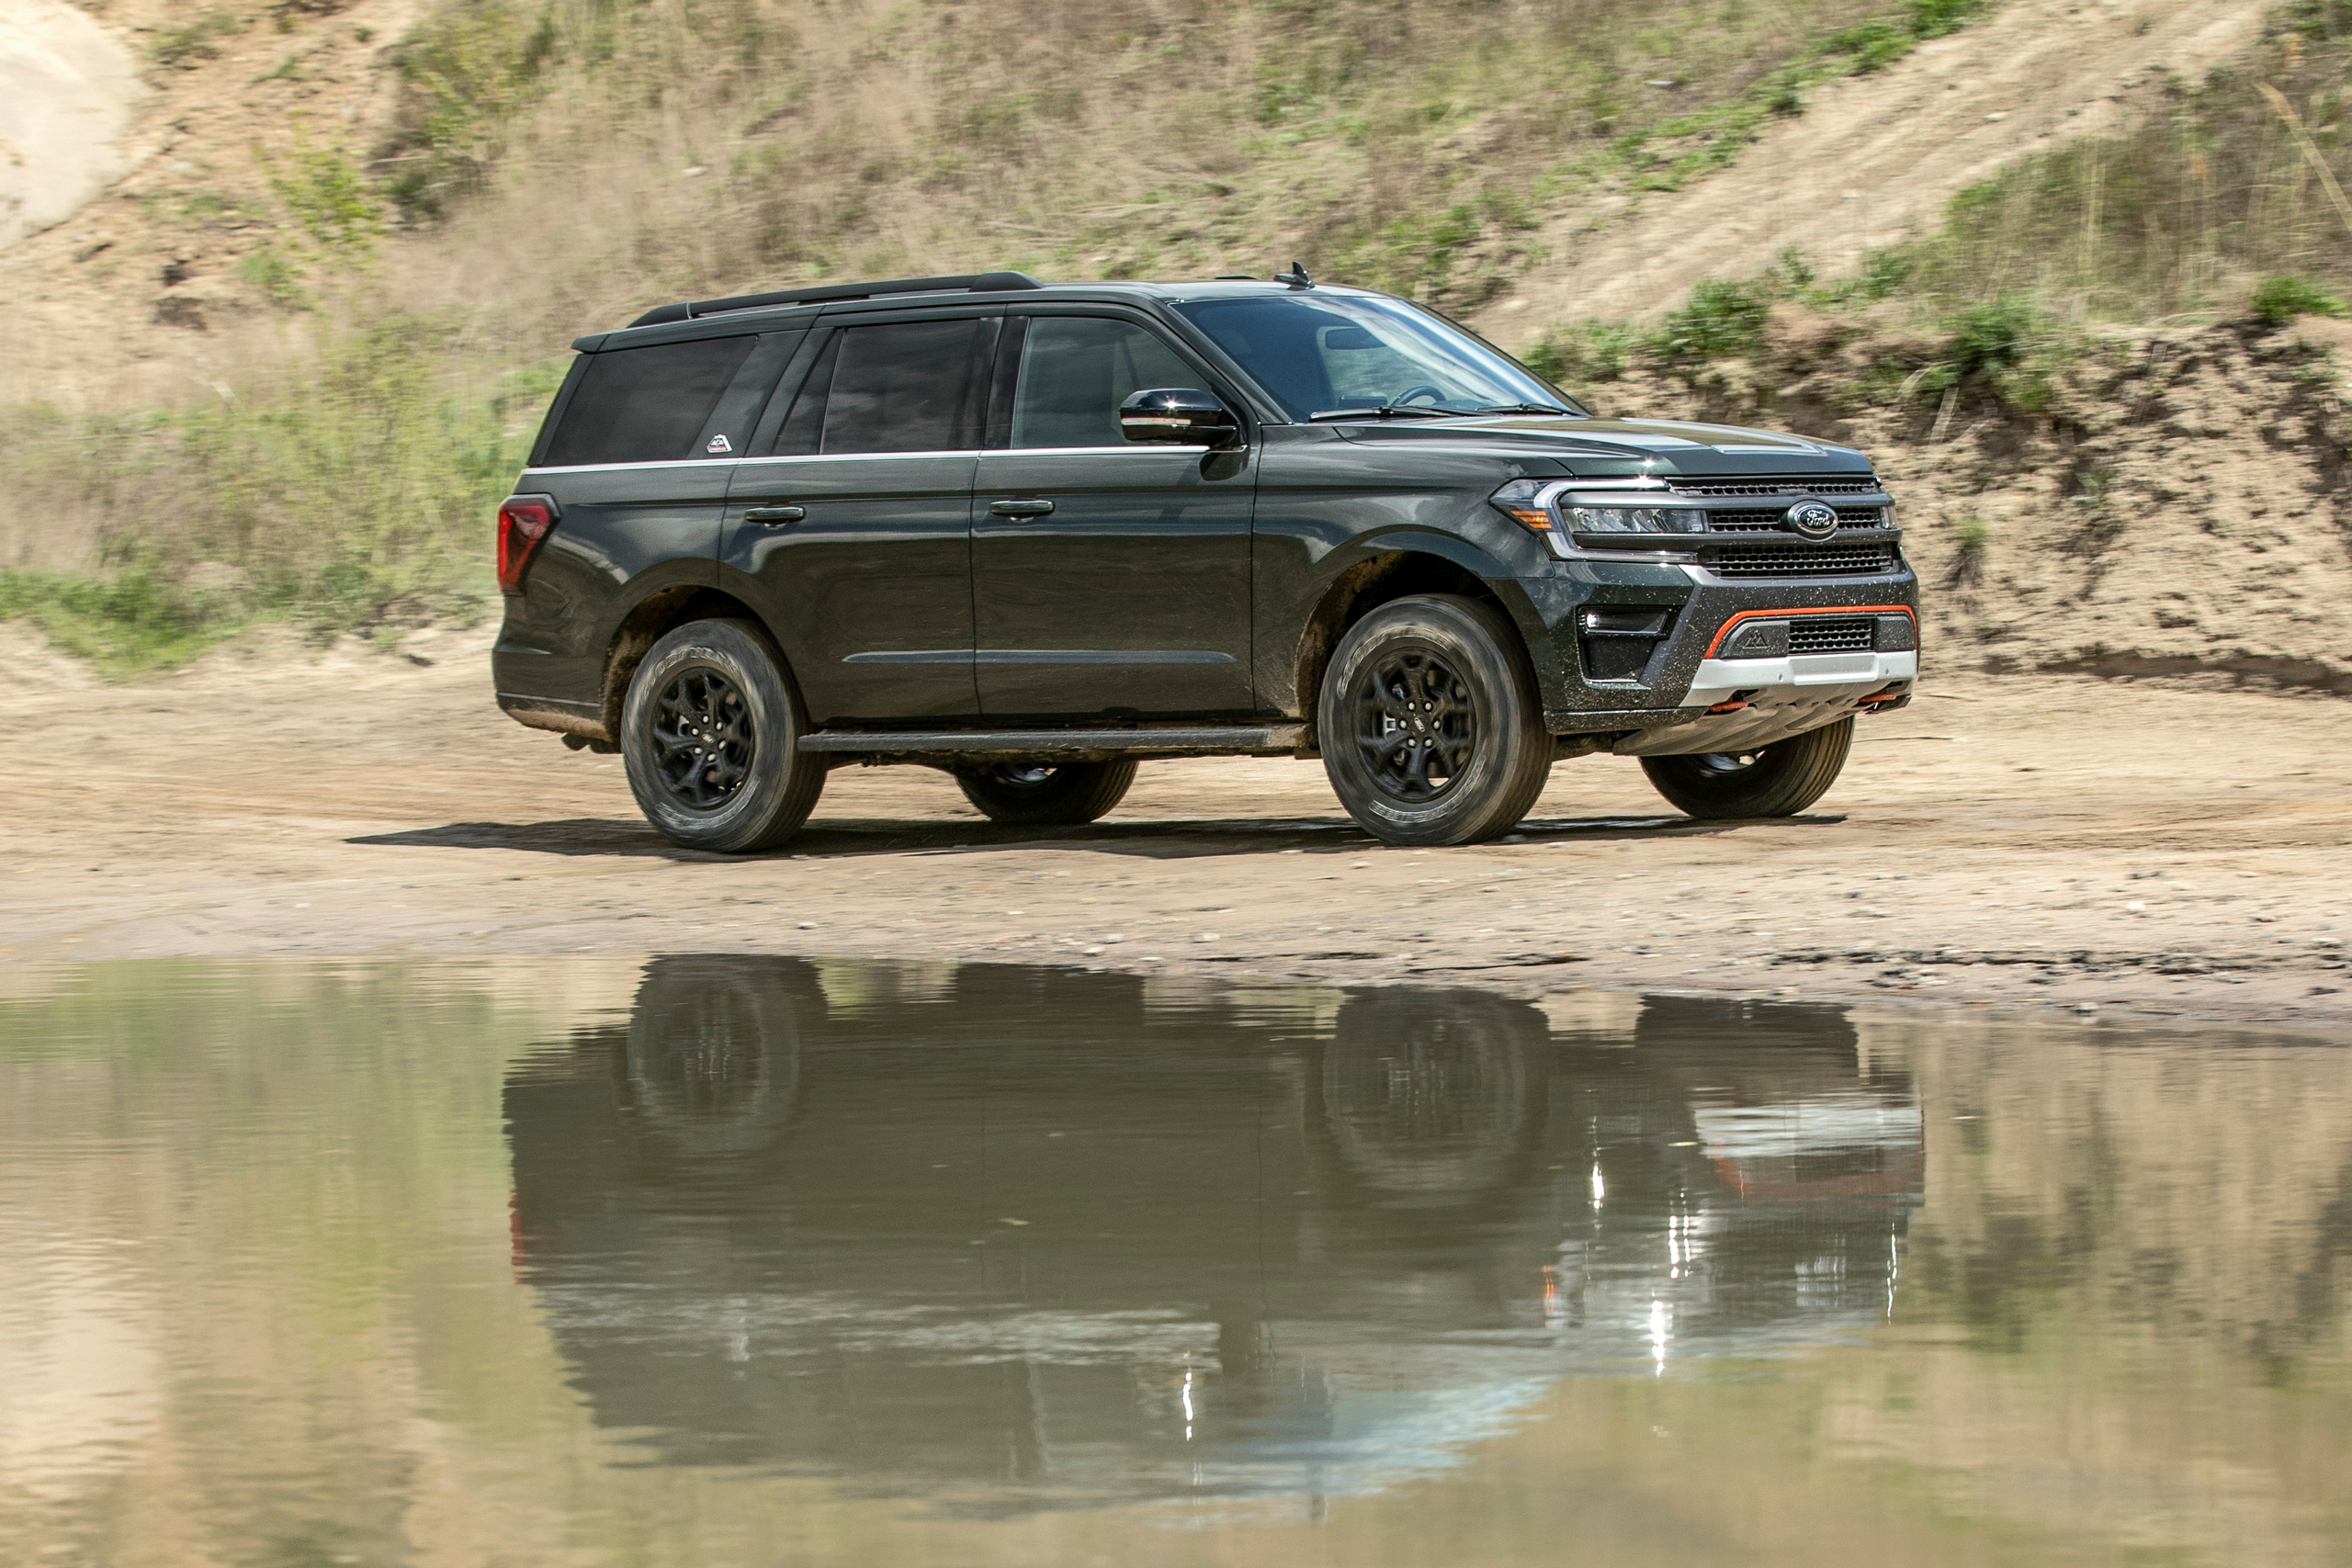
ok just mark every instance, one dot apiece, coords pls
pixel 2184 214
pixel 1409 145
pixel 558 165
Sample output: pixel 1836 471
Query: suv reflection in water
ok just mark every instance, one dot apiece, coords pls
pixel 1009 1238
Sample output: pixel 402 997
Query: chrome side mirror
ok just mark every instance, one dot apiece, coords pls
pixel 1183 416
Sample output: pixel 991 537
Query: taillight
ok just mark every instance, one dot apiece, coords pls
pixel 523 521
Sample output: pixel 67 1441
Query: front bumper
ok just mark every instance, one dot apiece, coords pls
pixel 1779 697
pixel 1813 674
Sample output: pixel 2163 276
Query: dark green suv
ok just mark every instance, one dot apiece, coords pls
pixel 1037 534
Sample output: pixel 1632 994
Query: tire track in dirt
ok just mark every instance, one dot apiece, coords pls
pixel 1873 159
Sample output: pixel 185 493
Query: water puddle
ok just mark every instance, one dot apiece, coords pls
pixel 748 1260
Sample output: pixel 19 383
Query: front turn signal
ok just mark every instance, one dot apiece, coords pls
pixel 1523 502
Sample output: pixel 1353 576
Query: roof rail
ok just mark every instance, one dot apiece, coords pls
pixel 966 283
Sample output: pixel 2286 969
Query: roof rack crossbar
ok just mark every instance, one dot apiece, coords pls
pixel 966 282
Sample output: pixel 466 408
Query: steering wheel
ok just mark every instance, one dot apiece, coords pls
pixel 1404 397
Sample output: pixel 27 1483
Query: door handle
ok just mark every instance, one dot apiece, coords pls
pixel 1021 508
pixel 775 513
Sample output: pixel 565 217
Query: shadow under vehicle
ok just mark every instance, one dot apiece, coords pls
pixel 1003 1239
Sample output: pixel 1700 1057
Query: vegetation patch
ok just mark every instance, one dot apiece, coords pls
pixel 195 40
pixel 354 497
pixel 2281 297
pixel 125 624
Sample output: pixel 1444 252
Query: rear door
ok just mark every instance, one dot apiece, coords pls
pixel 1109 578
pixel 852 536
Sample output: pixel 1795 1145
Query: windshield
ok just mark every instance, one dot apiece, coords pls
pixel 1320 353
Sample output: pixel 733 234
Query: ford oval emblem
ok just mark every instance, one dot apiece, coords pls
pixel 1812 519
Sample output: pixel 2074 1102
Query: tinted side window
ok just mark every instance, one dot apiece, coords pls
pixel 1077 370
pixel 644 405
pixel 899 387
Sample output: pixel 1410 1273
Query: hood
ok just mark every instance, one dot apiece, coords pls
pixel 1613 448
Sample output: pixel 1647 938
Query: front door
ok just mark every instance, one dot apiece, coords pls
pixel 1108 578
pixel 854 535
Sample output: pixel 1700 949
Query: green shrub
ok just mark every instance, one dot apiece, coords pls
pixel 1583 353
pixel 354 496
pixel 2011 344
pixel 329 196
pixel 279 277
pixel 2281 297
pixel 465 72
pixel 192 41
pixel 1973 543
pixel 1722 321
pixel 125 624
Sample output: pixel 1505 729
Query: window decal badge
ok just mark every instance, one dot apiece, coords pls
pixel 719 443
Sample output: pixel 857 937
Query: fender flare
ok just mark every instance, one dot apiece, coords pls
pixel 1316 636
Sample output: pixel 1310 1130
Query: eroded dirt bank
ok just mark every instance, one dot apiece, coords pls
pixel 2051 841
pixel 1874 157
pixel 2180 508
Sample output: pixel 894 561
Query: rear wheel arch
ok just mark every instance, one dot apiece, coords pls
pixel 656 617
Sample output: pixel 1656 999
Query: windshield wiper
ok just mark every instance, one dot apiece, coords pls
pixel 1388 410
pixel 1522 408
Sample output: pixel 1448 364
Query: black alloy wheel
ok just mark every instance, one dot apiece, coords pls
pixel 1415 724
pixel 710 733
pixel 1778 780
pixel 704 739
pixel 1429 723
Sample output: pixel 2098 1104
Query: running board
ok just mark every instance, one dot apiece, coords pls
pixel 1076 745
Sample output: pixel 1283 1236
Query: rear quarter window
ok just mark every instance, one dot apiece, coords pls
pixel 646 405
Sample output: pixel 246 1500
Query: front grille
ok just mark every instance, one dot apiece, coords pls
pixel 1773 484
pixel 1801 561
pixel 1825 634
pixel 1744 521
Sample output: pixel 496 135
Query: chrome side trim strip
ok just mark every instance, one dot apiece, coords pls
pixel 1137 449
pixel 914 656
pixel 858 457
pixel 614 468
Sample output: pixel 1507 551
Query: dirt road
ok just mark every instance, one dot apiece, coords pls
pixel 2022 842
pixel 1873 157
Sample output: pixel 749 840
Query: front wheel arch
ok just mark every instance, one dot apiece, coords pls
pixel 1401 568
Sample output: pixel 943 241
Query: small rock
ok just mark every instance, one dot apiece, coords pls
pixel 808 925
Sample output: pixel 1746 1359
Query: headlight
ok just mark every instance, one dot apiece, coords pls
pixel 1636 520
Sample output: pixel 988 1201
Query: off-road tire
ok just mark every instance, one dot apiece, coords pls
pixel 755 789
pixel 1452 666
pixel 1779 780
pixel 1047 795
